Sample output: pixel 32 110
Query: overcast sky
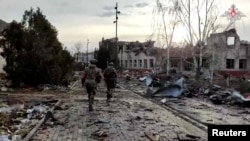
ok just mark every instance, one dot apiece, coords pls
pixel 79 20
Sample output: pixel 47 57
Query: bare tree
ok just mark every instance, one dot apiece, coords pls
pixel 165 23
pixel 78 47
pixel 199 19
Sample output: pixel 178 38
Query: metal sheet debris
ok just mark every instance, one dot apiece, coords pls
pixel 239 98
pixel 172 90
pixel 169 91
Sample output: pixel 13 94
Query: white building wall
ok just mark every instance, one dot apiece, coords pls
pixel 2 62
pixel 82 57
pixel 136 59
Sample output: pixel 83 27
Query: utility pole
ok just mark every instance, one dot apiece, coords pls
pixel 87 50
pixel 116 38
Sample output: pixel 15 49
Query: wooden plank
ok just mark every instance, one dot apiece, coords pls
pixel 32 132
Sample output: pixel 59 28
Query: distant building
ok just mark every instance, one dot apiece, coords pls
pixel 144 56
pixel 136 55
pixel 84 57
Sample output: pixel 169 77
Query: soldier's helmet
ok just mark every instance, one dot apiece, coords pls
pixel 93 61
pixel 111 64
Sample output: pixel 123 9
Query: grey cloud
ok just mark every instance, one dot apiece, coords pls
pixel 128 6
pixel 107 14
pixel 144 4
pixel 108 7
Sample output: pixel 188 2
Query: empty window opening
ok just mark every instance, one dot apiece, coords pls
pixel 230 64
pixel 230 41
pixel 135 63
pixel 151 63
pixel 145 63
pixel 243 64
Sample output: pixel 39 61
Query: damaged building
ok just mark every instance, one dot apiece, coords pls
pixel 137 55
pixel 145 56
pixel 129 55
pixel 231 55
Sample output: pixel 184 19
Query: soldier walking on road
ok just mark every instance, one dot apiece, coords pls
pixel 92 76
pixel 110 76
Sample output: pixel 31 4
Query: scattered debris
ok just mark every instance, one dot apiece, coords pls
pixel 237 97
pixel 216 93
pixel 4 138
pixel 180 82
pixel 216 99
pixel 48 116
pixel 193 136
pixel 18 116
pixel 244 112
pixel 149 110
pixel 99 134
pixel 169 91
pixel 164 100
pixel 97 122
pixel 16 138
pixel 152 137
pixel 187 137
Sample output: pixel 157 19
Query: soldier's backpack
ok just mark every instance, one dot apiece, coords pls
pixel 110 73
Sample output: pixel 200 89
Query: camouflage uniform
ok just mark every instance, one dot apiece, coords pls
pixel 92 73
pixel 110 76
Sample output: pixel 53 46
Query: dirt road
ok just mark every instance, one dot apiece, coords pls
pixel 129 117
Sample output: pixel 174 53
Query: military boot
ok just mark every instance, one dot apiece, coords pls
pixel 91 105
pixel 91 101
pixel 108 97
pixel 91 108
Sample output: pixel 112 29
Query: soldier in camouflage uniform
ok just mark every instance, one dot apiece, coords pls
pixel 93 76
pixel 110 76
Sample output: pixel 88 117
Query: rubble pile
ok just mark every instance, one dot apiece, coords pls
pixel 4 83
pixel 180 85
pixel 19 117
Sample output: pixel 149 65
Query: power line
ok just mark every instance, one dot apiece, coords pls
pixel 116 24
